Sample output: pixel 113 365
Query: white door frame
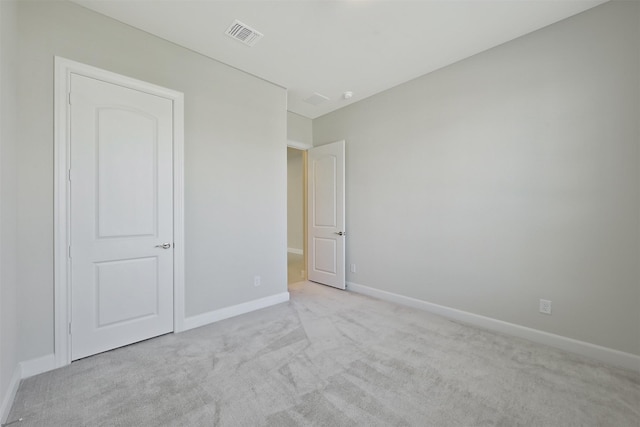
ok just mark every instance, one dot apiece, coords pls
pixel 62 273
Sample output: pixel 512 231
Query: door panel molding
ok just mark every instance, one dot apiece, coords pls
pixel 64 68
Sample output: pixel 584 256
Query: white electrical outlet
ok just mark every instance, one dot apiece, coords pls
pixel 545 306
pixel 256 281
pixel 353 268
pixel 302 273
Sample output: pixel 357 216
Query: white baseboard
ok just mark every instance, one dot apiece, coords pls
pixel 295 251
pixel 37 366
pixel 8 398
pixel 235 310
pixel 603 354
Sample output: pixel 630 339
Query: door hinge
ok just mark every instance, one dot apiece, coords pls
pixel 69 98
pixel 69 328
pixel 69 175
pixel 69 251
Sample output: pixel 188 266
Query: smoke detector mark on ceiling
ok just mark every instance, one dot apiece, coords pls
pixel 316 99
pixel 243 33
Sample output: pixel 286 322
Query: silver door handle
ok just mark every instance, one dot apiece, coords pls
pixel 340 233
pixel 164 246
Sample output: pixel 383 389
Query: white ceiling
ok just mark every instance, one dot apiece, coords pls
pixel 329 47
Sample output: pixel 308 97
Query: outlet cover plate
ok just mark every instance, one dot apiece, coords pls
pixel 545 306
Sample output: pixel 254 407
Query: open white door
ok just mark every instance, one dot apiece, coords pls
pixel 326 233
pixel 121 183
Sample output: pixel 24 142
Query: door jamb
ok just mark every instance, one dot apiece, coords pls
pixel 62 273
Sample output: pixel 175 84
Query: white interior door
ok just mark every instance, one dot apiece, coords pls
pixel 121 224
pixel 326 234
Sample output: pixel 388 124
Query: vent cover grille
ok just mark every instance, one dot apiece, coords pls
pixel 316 99
pixel 243 33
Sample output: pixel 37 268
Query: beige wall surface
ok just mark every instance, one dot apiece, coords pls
pixel 8 187
pixel 507 177
pixel 235 162
pixel 299 128
pixel 295 203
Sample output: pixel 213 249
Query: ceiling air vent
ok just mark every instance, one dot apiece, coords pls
pixel 243 33
pixel 316 99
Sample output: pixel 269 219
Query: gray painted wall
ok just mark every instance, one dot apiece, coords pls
pixel 508 177
pixel 295 202
pixel 299 128
pixel 235 166
pixel 8 284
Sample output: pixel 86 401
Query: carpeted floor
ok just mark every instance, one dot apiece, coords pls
pixel 332 358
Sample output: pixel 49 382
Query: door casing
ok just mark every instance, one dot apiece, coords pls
pixel 62 291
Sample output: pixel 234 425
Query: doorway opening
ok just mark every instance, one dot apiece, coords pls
pixel 296 215
pixel 316 213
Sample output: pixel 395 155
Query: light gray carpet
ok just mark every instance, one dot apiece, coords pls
pixel 332 358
